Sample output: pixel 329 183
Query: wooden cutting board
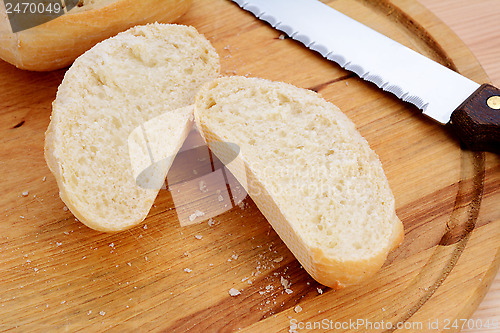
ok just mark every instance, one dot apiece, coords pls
pixel 58 275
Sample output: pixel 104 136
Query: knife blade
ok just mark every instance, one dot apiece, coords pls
pixel 472 110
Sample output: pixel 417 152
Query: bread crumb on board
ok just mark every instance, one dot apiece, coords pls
pixel 285 283
pixel 203 186
pixel 25 193
pixel 196 214
pixel 234 292
pixel 297 309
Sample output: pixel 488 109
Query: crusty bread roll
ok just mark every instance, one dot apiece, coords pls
pixel 57 43
pixel 109 91
pixel 310 172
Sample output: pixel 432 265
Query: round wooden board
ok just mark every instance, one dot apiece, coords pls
pixel 59 275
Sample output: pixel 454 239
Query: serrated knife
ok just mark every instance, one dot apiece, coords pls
pixel 472 110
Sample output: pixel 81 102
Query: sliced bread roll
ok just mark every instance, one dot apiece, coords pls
pixel 309 171
pixel 109 91
pixel 57 43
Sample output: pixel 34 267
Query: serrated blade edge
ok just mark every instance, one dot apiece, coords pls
pixel 418 80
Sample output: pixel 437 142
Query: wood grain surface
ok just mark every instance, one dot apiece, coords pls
pixel 476 23
pixel 58 275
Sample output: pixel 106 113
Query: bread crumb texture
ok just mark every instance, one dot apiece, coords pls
pixel 321 173
pixel 234 292
pixel 110 90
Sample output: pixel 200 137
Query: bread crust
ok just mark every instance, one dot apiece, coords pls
pixel 57 43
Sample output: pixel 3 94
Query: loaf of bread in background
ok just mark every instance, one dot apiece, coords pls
pixel 57 43
pixel 121 83
pixel 309 171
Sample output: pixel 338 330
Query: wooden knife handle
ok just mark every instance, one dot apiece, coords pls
pixel 477 120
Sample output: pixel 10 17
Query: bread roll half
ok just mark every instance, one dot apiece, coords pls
pixel 57 43
pixel 309 171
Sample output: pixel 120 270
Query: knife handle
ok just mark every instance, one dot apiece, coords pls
pixel 477 120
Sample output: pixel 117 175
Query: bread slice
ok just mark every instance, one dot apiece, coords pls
pixel 57 43
pixel 309 171
pixel 110 90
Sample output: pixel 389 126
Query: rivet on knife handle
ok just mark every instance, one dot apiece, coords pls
pixel 477 120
